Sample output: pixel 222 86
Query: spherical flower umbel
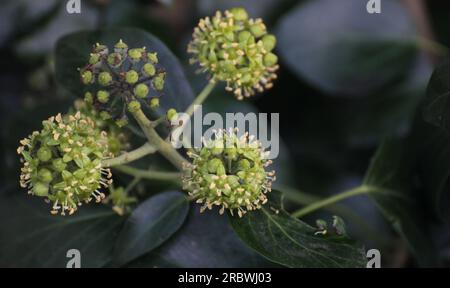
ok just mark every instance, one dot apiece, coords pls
pixel 115 77
pixel 235 49
pixel 229 172
pixel 62 162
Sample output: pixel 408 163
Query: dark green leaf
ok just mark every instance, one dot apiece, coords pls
pixel 205 240
pixel 276 235
pixel 150 225
pixel 31 237
pixel 390 172
pixel 352 52
pixel 433 153
pixel 437 104
pixel 72 52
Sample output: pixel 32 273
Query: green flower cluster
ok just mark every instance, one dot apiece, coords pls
pixel 130 75
pixel 230 172
pixel 235 49
pixel 62 162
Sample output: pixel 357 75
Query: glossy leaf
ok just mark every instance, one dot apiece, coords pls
pixel 285 240
pixel 437 105
pixel 205 240
pixel 150 225
pixel 390 173
pixel 31 237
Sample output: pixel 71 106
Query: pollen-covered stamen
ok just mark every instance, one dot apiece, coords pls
pixel 229 172
pixel 236 50
pixel 62 162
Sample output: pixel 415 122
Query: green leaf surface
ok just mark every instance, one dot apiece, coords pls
pixel 150 225
pixel 433 158
pixel 285 240
pixel 390 172
pixel 351 52
pixel 436 109
pixel 205 240
pixel 31 237
pixel 72 52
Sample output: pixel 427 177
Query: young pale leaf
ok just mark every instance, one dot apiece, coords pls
pixel 72 52
pixel 31 237
pixel 285 240
pixel 390 174
pixel 150 225
pixel 351 52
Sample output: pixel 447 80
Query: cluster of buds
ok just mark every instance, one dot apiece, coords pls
pixel 123 78
pixel 235 49
pixel 62 162
pixel 229 172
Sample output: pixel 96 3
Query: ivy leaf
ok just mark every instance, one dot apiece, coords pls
pixel 433 158
pixel 31 237
pixel 351 53
pixel 205 240
pixel 390 173
pixel 437 105
pixel 150 225
pixel 285 240
pixel 72 52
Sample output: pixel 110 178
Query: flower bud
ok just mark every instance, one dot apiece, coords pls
pixel 100 49
pixel 149 69
pixel 152 57
pixel 104 78
pixel 88 98
pixel 270 59
pixel 44 154
pixel 59 165
pixel 131 77
pixel 40 189
pixel 115 59
pixel 269 42
pixel 134 106
pixel 154 102
pixel 45 175
pixel 258 29
pixel 121 47
pixel 105 115
pixel 141 90
pixel 87 77
pixel 158 82
pixel 94 59
pixel 136 54
pixel 102 96
pixel 122 122
pixel 239 14
pixel 171 114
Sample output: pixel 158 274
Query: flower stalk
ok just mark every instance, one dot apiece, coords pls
pixel 149 174
pixel 131 156
pixel 360 190
pixel 162 146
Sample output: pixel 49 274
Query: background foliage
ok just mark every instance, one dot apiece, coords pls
pixel 354 110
